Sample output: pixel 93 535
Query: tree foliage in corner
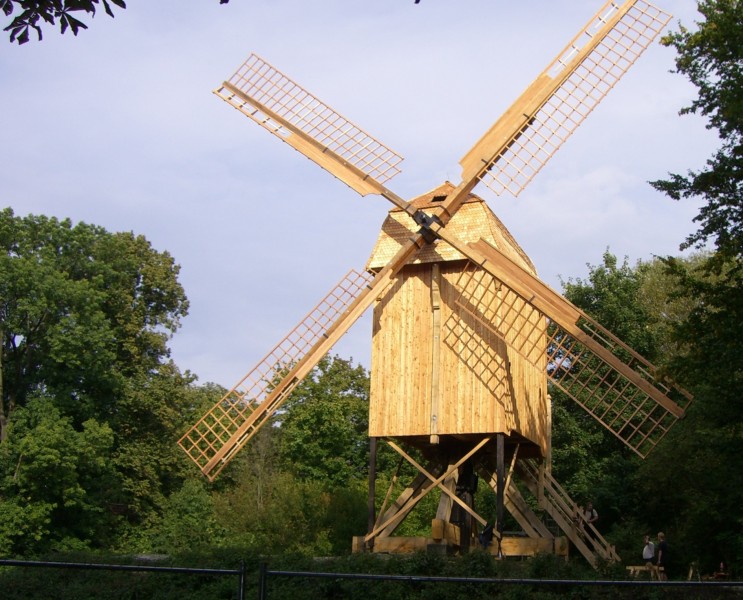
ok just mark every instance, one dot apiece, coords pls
pixel 36 13
pixel 710 58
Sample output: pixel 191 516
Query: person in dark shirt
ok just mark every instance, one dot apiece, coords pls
pixel 662 557
pixel 590 515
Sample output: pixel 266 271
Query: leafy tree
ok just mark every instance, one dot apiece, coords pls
pixel 709 509
pixel 668 305
pixel 55 481
pixel 149 464
pixel 81 310
pixel 85 316
pixel 610 295
pixel 710 58
pixel 324 424
pixel 188 522
pixel 690 481
pixel 34 13
pixel 291 517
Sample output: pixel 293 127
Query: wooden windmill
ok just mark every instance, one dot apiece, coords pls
pixel 465 336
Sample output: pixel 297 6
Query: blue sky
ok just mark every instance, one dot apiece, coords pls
pixel 118 127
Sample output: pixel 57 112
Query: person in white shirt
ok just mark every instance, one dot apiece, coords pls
pixel 648 551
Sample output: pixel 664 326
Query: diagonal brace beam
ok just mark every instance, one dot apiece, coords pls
pixel 435 482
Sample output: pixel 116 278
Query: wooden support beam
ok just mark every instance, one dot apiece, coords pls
pixel 401 545
pixel 443 512
pixel 389 521
pixel 434 482
pixel 390 488
pixel 525 546
pixel 443 530
pixel 500 479
pixel 435 350
pixel 371 516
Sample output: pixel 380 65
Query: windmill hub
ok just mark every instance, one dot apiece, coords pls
pixel 426 221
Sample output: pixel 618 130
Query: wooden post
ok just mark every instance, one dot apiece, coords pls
pixel 435 350
pixel 372 488
pixel 466 488
pixel 500 474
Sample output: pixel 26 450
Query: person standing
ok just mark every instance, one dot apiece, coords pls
pixel 648 550
pixel 662 557
pixel 590 515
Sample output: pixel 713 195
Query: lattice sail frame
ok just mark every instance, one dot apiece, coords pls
pixel 231 422
pixel 626 407
pixel 297 117
pixel 616 402
pixel 560 115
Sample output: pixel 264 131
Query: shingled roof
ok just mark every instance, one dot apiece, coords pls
pixel 474 220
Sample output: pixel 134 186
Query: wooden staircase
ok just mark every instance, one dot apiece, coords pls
pixel 554 500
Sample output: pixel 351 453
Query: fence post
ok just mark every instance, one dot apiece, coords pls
pixel 241 579
pixel 262 581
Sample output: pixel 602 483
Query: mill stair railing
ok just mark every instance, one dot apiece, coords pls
pixel 555 501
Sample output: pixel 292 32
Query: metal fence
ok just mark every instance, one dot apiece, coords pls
pixel 238 573
pixel 265 574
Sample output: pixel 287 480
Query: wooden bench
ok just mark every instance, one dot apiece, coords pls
pixel 637 570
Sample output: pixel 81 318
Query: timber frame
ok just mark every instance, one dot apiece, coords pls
pixel 455 525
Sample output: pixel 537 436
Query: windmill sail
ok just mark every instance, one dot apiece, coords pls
pixel 520 143
pixel 233 420
pixel 614 384
pixel 294 115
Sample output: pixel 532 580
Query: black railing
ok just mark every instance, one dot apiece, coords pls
pixel 239 573
pixel 264 574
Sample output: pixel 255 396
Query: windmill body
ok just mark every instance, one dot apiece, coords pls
pixel 436 371
pixel 465 336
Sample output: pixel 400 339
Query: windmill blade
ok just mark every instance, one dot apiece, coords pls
pixel 230 423
pixel 310 126
pixel 613 383
pixel 528 134
pixel 233 420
